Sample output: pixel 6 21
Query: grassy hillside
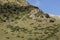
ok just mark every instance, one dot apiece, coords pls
pixel 27 23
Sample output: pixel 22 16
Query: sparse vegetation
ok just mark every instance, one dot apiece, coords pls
pixel 37 14
pixel 16 23
pixel 16 28
pixel 38 20
pixel 24 30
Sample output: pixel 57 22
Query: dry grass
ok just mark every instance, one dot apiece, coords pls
pixel 25 27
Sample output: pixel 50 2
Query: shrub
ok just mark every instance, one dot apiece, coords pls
pixel 37 14
pixel 31 23
pixel 7 38
pixel 52 20
pixel 35 28
pixel 17 18
pixel 47 16
pixel 30 38
pixel 18 36
pixel 36 38
pixel 9 26
pixel 16 28
pixel 2 20
pixel 24 30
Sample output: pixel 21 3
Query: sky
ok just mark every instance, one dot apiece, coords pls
pixel 48 6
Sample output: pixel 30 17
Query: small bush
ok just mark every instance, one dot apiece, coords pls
pixel 36 38
pixel 52 20
pixel 18 36
pixel 47 16
pixel 24 30
pixel 30 38
pixel 2 20
pixel 31 23
pixel 7 38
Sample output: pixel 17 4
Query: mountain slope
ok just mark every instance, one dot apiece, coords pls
pixel 22 21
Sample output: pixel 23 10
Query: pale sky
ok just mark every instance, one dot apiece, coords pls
pixel 49 6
